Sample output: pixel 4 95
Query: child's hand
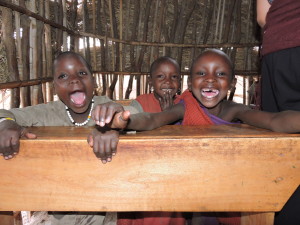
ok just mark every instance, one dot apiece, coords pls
pixel 166 101
pixel 10 134
pixel 120 120
pixel 103 114
pixel 104 143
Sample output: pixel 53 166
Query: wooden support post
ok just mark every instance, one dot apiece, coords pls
pixel 257 218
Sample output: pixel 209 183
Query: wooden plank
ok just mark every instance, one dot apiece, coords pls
pixel 174 168
pixel 6 218
pixel 257 218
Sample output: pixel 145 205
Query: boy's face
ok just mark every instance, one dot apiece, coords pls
pixel 73 83
pixel 165 78
pixel 210 79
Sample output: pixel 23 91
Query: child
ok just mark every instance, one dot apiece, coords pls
pixel 211 78
pixel 74 85
pixel 164 81
pixel 205 103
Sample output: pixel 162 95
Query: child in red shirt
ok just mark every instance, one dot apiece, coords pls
pixel 164 81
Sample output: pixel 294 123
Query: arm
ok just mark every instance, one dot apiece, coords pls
pixel 285 121
pixel 262 8
pixel 148 121
pixel 136 105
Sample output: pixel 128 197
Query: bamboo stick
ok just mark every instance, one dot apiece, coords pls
pixel 48 73
pixel 7 30
pixel 17 84
pixel 64 21
pixel 25 23
pixel 19 50
pixel 121 77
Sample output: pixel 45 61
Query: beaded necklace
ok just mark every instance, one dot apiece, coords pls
pixel 83 123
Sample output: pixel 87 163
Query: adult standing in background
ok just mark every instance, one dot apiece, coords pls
pixel 280 21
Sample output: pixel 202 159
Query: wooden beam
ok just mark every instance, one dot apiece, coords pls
pixel 174 168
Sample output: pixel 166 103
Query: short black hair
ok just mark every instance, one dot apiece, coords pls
pixel 70 53
pixel 217 52
pixel 161 60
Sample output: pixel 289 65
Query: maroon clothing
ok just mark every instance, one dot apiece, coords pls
pixel 282 29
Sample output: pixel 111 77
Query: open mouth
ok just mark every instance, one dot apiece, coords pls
pixel 167 90
pixel 78 98
pixel 209 92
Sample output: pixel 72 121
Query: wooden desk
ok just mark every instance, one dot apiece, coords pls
pixel 174 168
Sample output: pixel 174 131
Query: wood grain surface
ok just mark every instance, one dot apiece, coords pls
pixel 173 168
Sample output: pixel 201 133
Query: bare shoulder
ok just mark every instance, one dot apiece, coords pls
pixel 232 110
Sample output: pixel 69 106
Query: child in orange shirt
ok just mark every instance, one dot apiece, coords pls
pixel 165 81
pixel 205 103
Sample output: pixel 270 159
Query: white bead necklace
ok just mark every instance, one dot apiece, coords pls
pixel 83 123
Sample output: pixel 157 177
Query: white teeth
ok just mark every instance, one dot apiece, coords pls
pixel 209 93
pixel 166 89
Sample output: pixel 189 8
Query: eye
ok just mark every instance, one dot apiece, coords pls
pixel 62 76
pixel 175 77
pixel 221 74
pixel 82 73
pixel 160 76
pixel 200 73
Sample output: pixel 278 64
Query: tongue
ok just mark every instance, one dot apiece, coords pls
pixel 78 98
pixel 210 94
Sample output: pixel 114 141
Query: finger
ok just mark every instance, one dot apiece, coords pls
pixel 30 135
pixel 114 145
pixel 169 99
pixel 109 114
pixel 125 115
pixel 15 145
pixel 100 152
pixel 108 151
pixel 120 120
pixel 90 140
pixel 8 157
pixel 97 115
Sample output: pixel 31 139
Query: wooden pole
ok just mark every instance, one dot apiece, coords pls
pixel 48 46
pixel 121 77
pixel 9 43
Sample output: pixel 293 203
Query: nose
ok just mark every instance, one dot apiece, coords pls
pixel 168 80
pixel 210 78
pixel 74 79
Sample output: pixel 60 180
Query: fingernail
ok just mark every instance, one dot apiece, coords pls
pixel 108 159
pixel 104 161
